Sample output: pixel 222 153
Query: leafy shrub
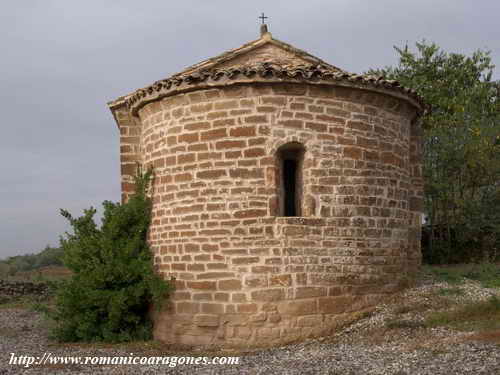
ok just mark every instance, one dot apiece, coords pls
pixel 114 283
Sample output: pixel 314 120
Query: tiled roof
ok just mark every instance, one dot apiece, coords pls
pixel 264 72
pixel 211 73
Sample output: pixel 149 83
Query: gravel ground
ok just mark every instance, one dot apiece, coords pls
pixel 366 347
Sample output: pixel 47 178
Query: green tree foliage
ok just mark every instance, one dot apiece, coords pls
pixel 50 256
pixel 461 149
pixel 114 283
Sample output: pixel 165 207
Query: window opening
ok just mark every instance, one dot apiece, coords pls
pixel 289 187
pixel 290 158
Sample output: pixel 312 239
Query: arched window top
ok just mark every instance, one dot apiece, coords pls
pixel 291 148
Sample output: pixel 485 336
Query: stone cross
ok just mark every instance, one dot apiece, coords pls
pixel 262 17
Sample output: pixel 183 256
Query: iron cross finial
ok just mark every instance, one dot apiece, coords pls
pixel 262 17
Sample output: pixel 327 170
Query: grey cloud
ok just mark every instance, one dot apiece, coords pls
pixel 63 60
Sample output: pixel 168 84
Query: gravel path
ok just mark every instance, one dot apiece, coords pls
pixel 367 347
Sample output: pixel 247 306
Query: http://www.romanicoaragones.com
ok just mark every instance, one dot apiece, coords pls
pixel 170 361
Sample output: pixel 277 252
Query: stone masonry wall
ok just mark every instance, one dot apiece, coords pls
pixel 9 289
pixel 245 276
pixel 130 156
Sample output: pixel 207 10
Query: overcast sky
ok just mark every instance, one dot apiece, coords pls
pixel 63 60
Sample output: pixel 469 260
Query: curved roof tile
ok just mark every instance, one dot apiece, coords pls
pixel 264 71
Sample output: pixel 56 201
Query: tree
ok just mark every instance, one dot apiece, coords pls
pixel 461 148
pixel 113 282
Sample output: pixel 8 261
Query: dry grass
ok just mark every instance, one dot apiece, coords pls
pixel 486 336
pixel 8 332
pixel 426 302
pixel 403 324
pixel 484 315
pixel 488 274
pixel 49 273
pixel 24 302
pixel 455 291
pixel 410 318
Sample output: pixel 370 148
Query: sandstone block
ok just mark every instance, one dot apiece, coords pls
pixel 300 307
pixel 310 320
pixel 268 295
pixel 206 320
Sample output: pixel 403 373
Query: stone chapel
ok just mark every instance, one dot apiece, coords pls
pixel 287 196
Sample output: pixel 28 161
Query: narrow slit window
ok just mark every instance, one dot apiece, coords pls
pixel 289 182
pixel 290 158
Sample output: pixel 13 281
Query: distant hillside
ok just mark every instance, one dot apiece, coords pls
pixel 50 256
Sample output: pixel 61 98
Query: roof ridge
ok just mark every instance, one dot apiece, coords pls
pixel 247 47
pixel 222 57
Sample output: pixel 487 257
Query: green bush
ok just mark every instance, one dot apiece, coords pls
pixel 114 284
